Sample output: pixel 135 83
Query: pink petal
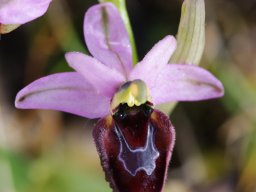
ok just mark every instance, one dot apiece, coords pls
pixel 107 38
pixel 185 83
pixel 22 11
pixel 68 92
pixel 154 61
pixel 105 80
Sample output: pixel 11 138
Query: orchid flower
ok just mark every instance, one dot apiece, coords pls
pixel 134 140
pixel 14 13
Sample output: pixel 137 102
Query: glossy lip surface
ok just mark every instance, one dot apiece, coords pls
pixel 142 158
pixel 119 137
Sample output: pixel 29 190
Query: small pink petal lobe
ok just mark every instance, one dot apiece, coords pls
pixel 104 79
pixel 158 57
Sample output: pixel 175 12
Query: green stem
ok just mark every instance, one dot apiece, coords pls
pixel 190 39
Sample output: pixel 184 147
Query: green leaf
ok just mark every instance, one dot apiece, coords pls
pixel 121 6
pixel 190 39
pixel 13 171
pixel 191 33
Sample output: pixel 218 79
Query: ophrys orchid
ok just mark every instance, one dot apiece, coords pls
pixel 134 140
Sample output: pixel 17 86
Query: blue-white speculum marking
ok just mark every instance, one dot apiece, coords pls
pixel 142 158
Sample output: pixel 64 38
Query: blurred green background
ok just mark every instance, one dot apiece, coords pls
pixel 48 151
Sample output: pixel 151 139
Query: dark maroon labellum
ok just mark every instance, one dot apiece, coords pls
pixel 135 145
